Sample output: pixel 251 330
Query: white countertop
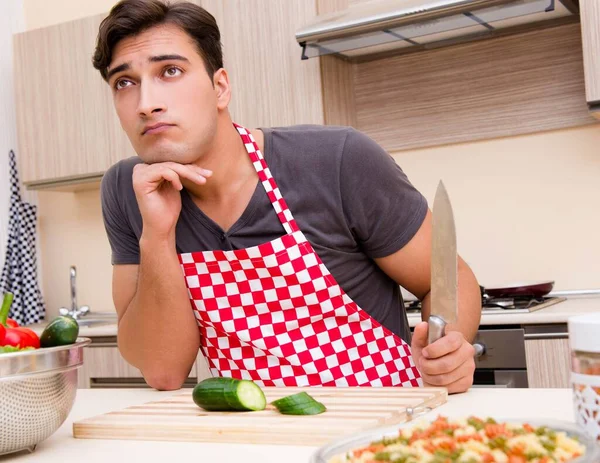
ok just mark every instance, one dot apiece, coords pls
pixel 554 404
pixel 558 313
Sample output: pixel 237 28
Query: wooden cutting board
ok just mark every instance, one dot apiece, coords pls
pixel 177 418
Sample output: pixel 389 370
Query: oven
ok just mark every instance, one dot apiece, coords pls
pixel 500 349
pixel 500 358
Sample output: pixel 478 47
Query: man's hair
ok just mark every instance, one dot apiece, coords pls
pixel 129 18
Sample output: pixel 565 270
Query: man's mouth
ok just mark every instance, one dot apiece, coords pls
pixel 156 128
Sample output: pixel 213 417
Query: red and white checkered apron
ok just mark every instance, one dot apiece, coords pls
pixel 274 314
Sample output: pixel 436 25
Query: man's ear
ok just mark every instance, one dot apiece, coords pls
pixel 222 88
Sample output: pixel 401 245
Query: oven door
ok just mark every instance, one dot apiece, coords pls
pixel 501 361
pixel 500 378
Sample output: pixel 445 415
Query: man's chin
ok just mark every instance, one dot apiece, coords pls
pixel 166 156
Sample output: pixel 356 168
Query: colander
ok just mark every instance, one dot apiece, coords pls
pixel 37 391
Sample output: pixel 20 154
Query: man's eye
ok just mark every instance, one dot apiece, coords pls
pixel 122 83
pixel 172 71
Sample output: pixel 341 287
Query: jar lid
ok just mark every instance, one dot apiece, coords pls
pixel 584 332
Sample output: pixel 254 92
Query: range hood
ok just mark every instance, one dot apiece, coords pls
pixel 403 25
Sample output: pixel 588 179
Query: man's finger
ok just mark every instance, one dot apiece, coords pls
pixel 465 369
pixel 419 337
pixel 172 177
pixel 443 346
pixel 186 172
pixel 447 363
pixel 461 385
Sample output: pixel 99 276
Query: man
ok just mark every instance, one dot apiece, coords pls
pixel 278 251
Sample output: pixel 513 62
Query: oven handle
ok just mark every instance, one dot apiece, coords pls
pixel 546 335
pixel 508 384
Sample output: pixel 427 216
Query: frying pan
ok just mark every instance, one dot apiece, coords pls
pixel 522 289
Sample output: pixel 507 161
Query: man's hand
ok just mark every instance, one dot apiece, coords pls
pixel 448 362
pixel 157 188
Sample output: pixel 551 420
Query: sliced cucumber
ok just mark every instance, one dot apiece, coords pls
pixel 229 394
pixel 293 400
pixel 299 404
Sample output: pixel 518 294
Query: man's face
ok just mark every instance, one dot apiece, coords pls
pixel 164 97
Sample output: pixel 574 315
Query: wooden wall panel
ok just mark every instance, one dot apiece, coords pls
pixel 492 88
pixel 337 76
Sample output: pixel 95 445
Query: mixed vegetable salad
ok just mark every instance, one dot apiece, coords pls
pixel 470 440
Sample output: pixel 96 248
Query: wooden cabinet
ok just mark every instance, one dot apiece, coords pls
pixel 105 367
pixel 548 362
pixel 271 85
pixel 67 127
pixel 590 32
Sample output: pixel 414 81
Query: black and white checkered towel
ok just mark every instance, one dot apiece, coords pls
pixel 19 275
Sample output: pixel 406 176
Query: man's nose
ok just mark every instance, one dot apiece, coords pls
pixel 150 101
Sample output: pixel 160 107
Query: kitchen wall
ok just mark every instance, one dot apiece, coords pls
pixel 526 207
pixel 12 21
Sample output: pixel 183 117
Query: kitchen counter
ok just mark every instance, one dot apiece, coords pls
pixel 558 313
pixel 552 404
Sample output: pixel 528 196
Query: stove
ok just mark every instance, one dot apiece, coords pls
pixel 512 305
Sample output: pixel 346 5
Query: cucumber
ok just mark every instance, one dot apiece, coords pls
pixel 294 400
pixel 299 404
pixel 229 394
pixel 59 332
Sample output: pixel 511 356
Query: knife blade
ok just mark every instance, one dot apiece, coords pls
pixel 444 266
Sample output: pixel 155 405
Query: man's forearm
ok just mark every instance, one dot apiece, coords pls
pixel 469 303
pixel 158 333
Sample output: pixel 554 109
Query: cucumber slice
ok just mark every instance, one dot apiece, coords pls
pixel 229 394
pixel 313 408
pixel 299 404
pixel 294 400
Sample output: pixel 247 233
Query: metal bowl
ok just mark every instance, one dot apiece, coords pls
pixel 37 391
pixel 336 450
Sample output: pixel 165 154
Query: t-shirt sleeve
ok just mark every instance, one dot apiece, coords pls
pixel 382 208
pixel 123 241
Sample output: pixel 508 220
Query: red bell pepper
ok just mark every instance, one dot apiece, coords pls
pixel 15 336
pixel 11 323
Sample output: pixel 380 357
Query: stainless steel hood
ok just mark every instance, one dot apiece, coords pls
pixel 401 25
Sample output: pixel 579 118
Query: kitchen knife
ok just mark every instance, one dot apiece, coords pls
pixel 444 267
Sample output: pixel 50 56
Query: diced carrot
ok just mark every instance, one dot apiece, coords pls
pixel 516 459
pixel 447 445
pixel 371 448
pixel 527 427
pixel 495 430
pixel 488 458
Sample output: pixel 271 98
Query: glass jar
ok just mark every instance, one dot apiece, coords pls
pixel 584 341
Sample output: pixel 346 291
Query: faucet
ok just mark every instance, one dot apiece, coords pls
pixel 75 312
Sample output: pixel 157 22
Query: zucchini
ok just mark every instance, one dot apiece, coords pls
pixel 60 332
pixel 229 394
pixel 299 404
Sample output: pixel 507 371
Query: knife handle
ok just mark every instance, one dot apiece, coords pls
pixel 437 328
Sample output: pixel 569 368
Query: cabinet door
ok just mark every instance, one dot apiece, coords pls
pixel 271 85
pixel 590 31
pixel 66 123
pixel 548 362
pixel 105 367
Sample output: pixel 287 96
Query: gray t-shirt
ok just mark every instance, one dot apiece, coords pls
pixel 348 196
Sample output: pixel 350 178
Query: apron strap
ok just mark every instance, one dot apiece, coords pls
pixel 267 180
